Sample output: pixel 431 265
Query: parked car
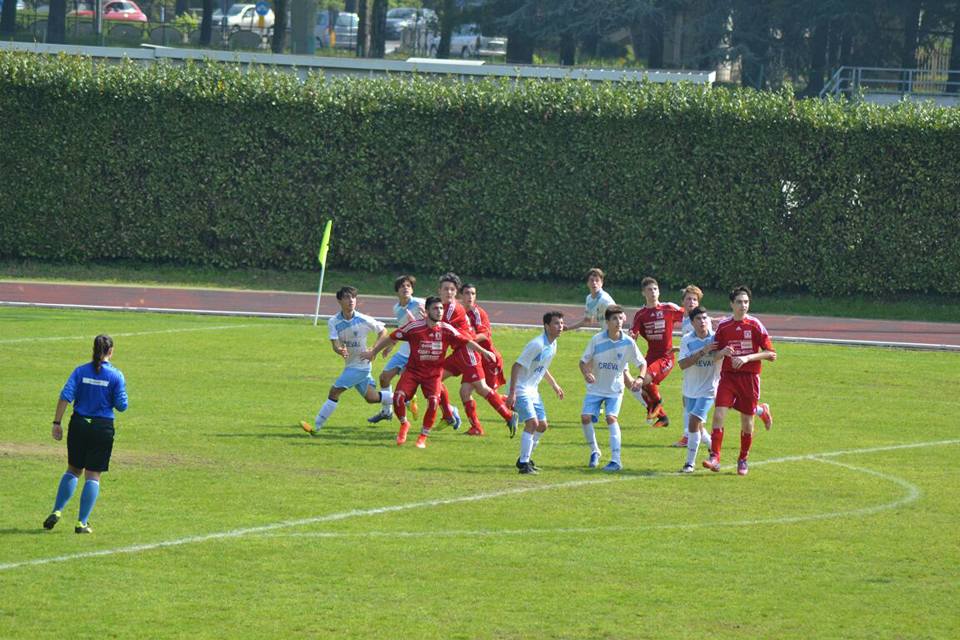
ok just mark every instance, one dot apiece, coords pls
pixel 117 10
pixel 21 6
pixel 345 29
pixel 402 18
pixel 466 41
pixel 244 16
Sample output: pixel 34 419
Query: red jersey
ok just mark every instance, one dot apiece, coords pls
pixel 456 316
pixel 656 326
pixel 428 346
pixel 745 337
pixel 480 325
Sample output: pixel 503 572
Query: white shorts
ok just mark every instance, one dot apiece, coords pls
pixel 528 407
pixel 699 407
pixel 591 405
pixel 359 379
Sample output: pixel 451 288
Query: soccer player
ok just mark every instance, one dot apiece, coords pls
pixel 465 364
pixel 605 367
pixel 479 323
pixel 95 389
pixel 429 339
pixel 597 301
pixel 739 386
pixel 700 362
pixel 348 337
pixel 531 367
pixel 654 321
pixel 406 310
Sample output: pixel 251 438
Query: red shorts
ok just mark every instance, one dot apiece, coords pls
pixel 493 372
pixel 740 391
pixel 465 363
pixel 409 382
pixel 660 368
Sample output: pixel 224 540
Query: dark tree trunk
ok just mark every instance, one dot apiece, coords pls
pixel 8 18
pixel 206 23
pixel 57 22
pixel 181 7
pixel 655 26
pixel 279 40
pixel 519 47
pixel 568 49
pixel 362 29
pixel 911 30
pixel 378 29
pixel 819 44
pixel 954 77
pixel 447 16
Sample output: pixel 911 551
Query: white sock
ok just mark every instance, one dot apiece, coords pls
pixel 639 396
pixel 325 412
pixel 386 398
pixel 686 421
pixel 526 446
pixel 536 438
pixel 615 442
pixel 693 444
pixel 590 436
pixel 705 438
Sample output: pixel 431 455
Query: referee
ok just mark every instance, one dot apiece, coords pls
pixel 95 389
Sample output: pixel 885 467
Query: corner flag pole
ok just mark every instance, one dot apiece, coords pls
pixel 322 257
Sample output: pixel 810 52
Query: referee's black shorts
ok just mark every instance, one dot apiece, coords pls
pixel 89 442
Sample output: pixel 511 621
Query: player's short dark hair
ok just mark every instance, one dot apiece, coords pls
pixel 594 272
pixel 431 300
pixel 467 285
pixel 648 281
pixel 613 310
pixel 741 289
pixel 347 291
pixel 401 279
pixel 549 316
pixel 696 311
pixel 450 276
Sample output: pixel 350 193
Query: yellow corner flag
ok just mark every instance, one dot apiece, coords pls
pixel 325 243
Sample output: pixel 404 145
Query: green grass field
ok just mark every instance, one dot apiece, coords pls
pixel 221 518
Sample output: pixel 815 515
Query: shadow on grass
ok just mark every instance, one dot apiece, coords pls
pixel 37 531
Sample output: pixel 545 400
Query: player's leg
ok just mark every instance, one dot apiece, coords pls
pixel 657 372
pixel 344 382
pixel 697 410
pixel 431 390
pixel 71 477
pixel 470 408
pixel 406 387
pixel 386 393
pixel 528 414
pixel 495 400
pixel 747 405
pixel 716 435
pixel 589 414
pixel 612 410
pixel 99 449
pixel 684 439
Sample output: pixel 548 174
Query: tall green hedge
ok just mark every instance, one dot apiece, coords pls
pixel 211 165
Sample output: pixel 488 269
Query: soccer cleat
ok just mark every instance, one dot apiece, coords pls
pixel 661 420
pixel 512 423
pixel 712 463
pixel 687 468
pixel 766 417
pixel 742 467
pixel 454 419
pixel 527 468
pixel 681 443
pixel 475 431
pixel 414 409
pixel 383 414
pixel 612 467
pixel 653 411
pixel 422 441
pixel 51 520
pixel 82 528
pixel 306 426
pixel 594 459
pixel 534 465
pixel 402 434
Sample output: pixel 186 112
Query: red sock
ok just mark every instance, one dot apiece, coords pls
pixel 716 436
pixel 746 439
pixel 400 407
pixel 470 406
pixel 430 415
pixel 444 403
pixel 496 401
pixel 654 391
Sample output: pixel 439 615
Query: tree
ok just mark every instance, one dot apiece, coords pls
pixel 206 23
pixel 57 22
pixel 954 77
pixel 278 42
pixel 378 29
pixel 8 18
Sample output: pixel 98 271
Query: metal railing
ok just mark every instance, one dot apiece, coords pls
pixel 854 81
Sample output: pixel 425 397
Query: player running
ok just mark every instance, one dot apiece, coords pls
pixel 407 309
pixel 531 367
pixel 597 301
pixel 429 339
pixel 348 337
pixel 605 367
pixel 739 387
pixel 465 364
pixel 654 321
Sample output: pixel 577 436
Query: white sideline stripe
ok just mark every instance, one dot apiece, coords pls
pixel 359 513
pixel 137 333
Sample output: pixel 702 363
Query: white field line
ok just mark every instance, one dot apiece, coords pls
pixel 359 513
pixel 224 327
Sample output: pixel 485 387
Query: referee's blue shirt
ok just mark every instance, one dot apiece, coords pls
pixel 96 395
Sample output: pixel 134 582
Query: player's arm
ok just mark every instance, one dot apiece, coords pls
pixel 486 353
pixel 763 354
pixel 587 371
pixel 338 348
pixel 557 389
pixel 707 350
pixel 384 341
pixel 514 374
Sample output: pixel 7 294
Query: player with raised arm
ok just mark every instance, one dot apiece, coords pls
pixel 654 321
pixel 465 364
pixel 531 367
pixel 597 301
pixel 406 310
pixel 739 386
pixel 429 339
pixel 348 337
pixel 605 368
pixel 700 361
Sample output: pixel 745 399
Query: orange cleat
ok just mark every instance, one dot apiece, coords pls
pixel 414 409
pixel 402 435
pixel 766 416
pixel 475 431
pixel 681 443
pixel 661 420
pixel 422 441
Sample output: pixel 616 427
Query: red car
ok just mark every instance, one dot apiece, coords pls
pixel 116 10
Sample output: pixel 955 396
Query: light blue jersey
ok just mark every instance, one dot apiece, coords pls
pixel 596 305
pixel 700 380
pixel 405 314
pixel 534 361
pixel 609 359
pixel 352 334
